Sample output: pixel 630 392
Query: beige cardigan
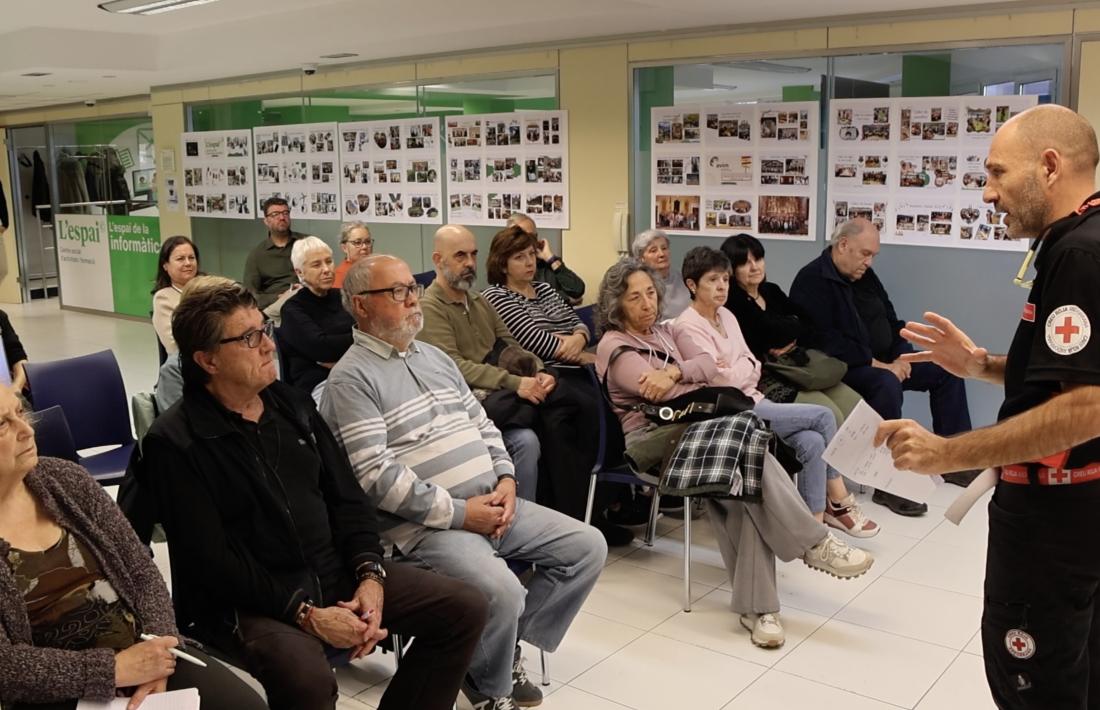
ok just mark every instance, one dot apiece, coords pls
pixel 164 305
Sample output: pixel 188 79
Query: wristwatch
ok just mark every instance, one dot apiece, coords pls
pixel 371 570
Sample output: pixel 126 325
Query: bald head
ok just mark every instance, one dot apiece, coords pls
pixel 1057 128
pixel 455 258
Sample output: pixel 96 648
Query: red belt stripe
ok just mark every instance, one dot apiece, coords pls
pixel 1048 476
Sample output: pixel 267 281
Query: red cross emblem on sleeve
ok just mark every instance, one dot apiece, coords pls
pixel 1067 330
pixel 1020 644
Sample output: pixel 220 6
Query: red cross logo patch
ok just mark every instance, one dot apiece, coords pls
pixel 1020 644
pixel 1067 330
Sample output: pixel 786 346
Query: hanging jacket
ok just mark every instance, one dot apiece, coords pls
pixel 40 190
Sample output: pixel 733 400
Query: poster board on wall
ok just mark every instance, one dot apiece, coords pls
pixel 218 178
pixel 723 169
pixel 124 248
pixel 916 168
pixel 299 163
pixel 498 164
pixel 391 171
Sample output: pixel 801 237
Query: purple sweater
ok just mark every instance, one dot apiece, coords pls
pixel 77 503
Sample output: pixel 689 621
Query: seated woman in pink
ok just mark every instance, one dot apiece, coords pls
pixel 707 335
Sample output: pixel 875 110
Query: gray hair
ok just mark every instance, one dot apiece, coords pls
pixel 348 227
pixel 643 240
pixel 356 281
pixel 516 218
pixel 304 246
pixel 847 230
pixel 609 307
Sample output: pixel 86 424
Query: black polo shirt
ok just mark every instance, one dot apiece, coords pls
pixel 1055 343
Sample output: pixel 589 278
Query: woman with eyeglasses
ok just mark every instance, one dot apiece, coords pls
pixel 79 592
pixel 316 330
pixel 177 264
pixel 356 242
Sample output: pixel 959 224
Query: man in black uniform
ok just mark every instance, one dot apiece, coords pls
pixel 1041 622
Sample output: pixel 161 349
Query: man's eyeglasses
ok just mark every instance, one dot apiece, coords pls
pixel 360 243
pixel 278 213
pixel 399 293
pixel 253 338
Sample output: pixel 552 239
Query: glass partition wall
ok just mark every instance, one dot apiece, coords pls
pixel 225 243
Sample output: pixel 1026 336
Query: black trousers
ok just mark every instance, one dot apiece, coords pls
pixel 218 687
pixel 445 615
pixel 883 391
pixel 1040 625
pixel 568 430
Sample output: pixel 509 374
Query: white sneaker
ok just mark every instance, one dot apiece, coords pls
pixel 835 557
pixel 848 516
pixel 766 630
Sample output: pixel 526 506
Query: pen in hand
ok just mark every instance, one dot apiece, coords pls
pixel 176 652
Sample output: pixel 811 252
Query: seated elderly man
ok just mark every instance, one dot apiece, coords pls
pixel 854 321
pixel 316 330
pixel 462 323
pixel 549 268
pixel 435 465
pixel 274 547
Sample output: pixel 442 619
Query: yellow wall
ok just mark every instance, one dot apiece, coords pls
pixel 167 126
pixel 1088 101
pixel 9 260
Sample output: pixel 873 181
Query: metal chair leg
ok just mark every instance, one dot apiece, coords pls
pixel 654 512
pixel 591 499
pixel 398 649
pixel 687 554
pixel 545 667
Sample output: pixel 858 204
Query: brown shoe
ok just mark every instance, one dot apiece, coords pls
pixel 846 515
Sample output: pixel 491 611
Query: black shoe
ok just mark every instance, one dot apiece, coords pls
pixel 901 506
pixel 616 535
pixel 962 478
pixel 635 512
pixel 671 505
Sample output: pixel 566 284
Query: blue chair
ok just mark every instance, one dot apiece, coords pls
pixel 90 392
pixel 610 467
pixel 588 317
pixel 52 436
pixel 282 356
pixel 425 278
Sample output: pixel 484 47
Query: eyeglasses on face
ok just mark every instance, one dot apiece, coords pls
pixel 399 293
pixel 278 213
pixel 360 243
pixel 253 338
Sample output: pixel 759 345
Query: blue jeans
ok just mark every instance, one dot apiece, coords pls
pixel 808 428
pixel 524 450
pixel 568 557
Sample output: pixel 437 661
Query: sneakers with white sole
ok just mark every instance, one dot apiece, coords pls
pixel 836 557
pixel 766 630
pixel 846 515
pixel 525 694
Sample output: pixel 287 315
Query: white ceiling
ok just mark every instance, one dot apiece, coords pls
pixel 90 53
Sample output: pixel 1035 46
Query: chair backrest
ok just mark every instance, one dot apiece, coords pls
pixel 143 409
pixel 611 443
pixel 588 317
pixel 162 354
pixel 425 278
pixel 52 435
pixel 89 389
pixel 283 357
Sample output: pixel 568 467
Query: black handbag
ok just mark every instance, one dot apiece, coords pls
pixel 695 406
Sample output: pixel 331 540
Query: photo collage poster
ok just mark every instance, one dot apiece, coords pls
pixel 391 171
pixel 916 168
pixel 498 164
pixel 725 169
pixel 299 163
pixel 218 180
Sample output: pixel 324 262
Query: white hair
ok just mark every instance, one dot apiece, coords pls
pixel 304 246
pixel 348 227
pixel 847 230
pixel 643 240
pixel 516 218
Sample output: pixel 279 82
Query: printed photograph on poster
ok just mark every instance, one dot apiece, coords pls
pixel 267 141
pixel 784 170
pixel 544 204
pixel 728 213
pixel 923 218
pixel 544 169
pixel 195 203
pixel 465 170
pixel 387 171
pixel 503 170
pixel 846 208
pixel 421 205
pixel 863 121
pixel 240 205
pixel 218 176
pixel 323 171
pixel 322 140
pixel 784 126
pixel 463 132
pixel 927 172
pixel 929 122
pixel 860 169
pixel 465 206
pixel 215 204
pixel 354 141
pixel 191 148
pixel 356 204
pixel 502 205
pixel 422 170
pixel 295 172
pixel 680 170
pixel 786 215
pixel 213 146
pixel 324 204
pixel 728 170
pixel 540 130
pixel 974 176
pixel 980 222
pixel 676 126
pixel 420 135
pixel 985 117
pixel 292 140
pixel 677 212
pixel 357 173
pixel 732 127
pixel 236 146
pixel 504 133
pixel 388 204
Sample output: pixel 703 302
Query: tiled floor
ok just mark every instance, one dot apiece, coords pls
pixel 902 636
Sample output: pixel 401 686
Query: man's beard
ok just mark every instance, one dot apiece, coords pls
pixel 404 332
pixel 463 281
pixel 1028 212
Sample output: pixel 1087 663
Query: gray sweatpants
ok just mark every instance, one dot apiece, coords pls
pixel 751 535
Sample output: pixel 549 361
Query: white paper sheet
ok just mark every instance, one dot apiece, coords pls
pixel 187 699
pixel 852 452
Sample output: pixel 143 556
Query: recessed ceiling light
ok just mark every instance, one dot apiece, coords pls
pixel 37 73
pixel 110 76
pixel 339 55
pixel 149 7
